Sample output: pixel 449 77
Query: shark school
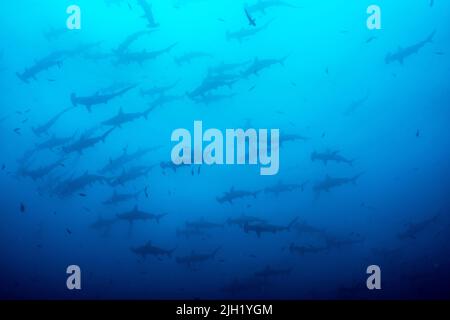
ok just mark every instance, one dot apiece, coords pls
pixel 238 146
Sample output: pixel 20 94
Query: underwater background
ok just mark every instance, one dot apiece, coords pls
pixel 364 164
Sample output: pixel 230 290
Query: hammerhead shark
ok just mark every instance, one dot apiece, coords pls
pixel 86 142
pixel 136 214
pixel 195 258
pixel 403 53
pixel 122 117
pixel 46 126
pixel 150 249
pixel 233 194
pixel 97 98
pixel 262 227
pixel 330 183
pixel 148 14
pixel 263 5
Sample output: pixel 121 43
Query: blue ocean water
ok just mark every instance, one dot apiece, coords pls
pixel 301 234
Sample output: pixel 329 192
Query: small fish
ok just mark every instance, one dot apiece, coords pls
pixel 51 80
pixel 251 20
pixel 251 89
pixel 22 207
pixel 221 20
pixel 86 209
pixel 439 53
pixel 327 70
pixel 323 135
pixel 17 130
pixel 25 121
pixel 417 133
pixel 82 194
pixel 68 231
pixel 293 84
pixel 370 39
pixel 3 167
pixel 146 192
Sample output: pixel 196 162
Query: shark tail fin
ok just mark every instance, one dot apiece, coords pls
pixel 107 134
pixel 170 252
pixel 431 36
pixel 73 99
pixel 228 35
pixel 21 77
pixel 216 250
pixel 158 218
pixel 292 223
pixel 388 58
pixel 283 60
pixel 355 178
